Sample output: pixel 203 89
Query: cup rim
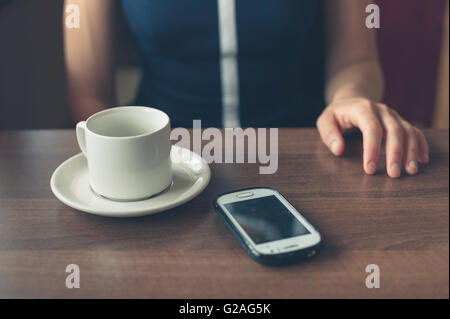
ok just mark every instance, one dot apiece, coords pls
pixel 121 108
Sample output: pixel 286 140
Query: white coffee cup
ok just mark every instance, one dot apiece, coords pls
pixel 128 152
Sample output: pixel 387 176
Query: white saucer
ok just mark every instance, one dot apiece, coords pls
pixel 70 184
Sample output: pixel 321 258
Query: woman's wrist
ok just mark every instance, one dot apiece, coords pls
pixel 352 92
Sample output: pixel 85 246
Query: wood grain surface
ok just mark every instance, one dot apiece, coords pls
pixel 402 225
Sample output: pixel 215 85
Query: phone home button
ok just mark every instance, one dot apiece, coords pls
pixel 245 194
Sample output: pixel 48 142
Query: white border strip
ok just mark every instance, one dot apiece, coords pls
pixel 228 63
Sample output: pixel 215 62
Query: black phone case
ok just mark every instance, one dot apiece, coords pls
pixel 265 259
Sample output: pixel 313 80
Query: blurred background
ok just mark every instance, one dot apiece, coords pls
pixel 413 44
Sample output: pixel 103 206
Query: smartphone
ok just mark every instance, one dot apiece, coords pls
pixel 267 226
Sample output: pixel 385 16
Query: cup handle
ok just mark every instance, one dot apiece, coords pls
pixel 81 136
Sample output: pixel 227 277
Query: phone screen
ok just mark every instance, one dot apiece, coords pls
pixel 266 219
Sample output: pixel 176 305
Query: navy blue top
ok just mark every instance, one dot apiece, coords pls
pixel 280 60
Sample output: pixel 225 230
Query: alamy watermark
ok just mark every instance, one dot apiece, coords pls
pixel 72 20
pixel 73 279
pixel 373 279
pixel 373 18
pixel 229 146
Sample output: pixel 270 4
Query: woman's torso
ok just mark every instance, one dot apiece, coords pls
pixel 278 59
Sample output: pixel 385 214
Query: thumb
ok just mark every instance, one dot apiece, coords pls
pixel 330 133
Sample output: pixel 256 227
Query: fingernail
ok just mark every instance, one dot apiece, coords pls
pixel 413 164
pixel 335 147
pixel 413 167
pixel 426 157
pixel 395 170
pixel 372 167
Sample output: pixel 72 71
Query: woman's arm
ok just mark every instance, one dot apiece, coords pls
pixel 354 90
pixel 89 58
pixel 353 68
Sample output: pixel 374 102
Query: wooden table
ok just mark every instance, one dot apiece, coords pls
pixel 402 225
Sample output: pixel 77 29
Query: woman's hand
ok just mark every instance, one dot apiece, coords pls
pixel 406 145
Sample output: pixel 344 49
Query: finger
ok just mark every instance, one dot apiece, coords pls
pixel 330 133
pixel 424 149
pixel 366 119
pixel 394 141
pixel 411 149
